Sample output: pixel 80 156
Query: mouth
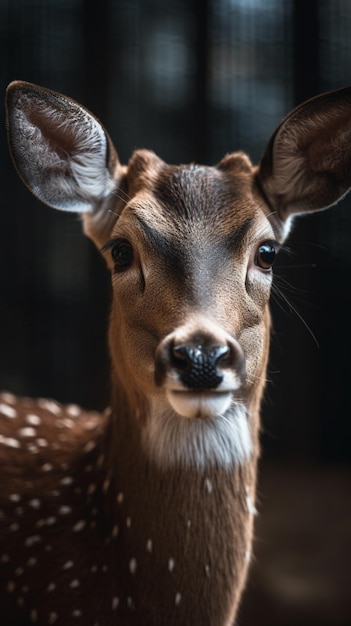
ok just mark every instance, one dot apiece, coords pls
pixel 200 404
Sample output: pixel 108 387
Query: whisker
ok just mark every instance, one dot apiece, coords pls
pixel 298 267
pixel 280 281
pixel 118 193
pixel 276 294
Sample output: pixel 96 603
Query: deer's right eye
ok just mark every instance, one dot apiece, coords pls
pixel 121 252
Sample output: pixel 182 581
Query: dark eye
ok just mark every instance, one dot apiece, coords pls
pixel 265 255
pixel 121 252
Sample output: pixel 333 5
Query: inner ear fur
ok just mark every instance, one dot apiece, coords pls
pixel 307 163
pixel 62 153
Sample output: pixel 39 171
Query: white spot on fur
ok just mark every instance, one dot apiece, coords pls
pixel 10 442
pixel 171 565
pixel 149 545
pixel 66 481
pixel 8 411
pixel 8 398
pixel 115 602
pixel 171 440
pixel 14 497
pixel 177 599
pixel 73 410
pixel 42 443
pixel 106 485
pixel 68 423
pixel 101 458
pixel 74 584
pixel 133 566
pixel 31 541
pixel 91 489
pixel 35 503
pixel 65 510
pixel 79 526
pixel 47 467
pixel 27 432
pixel 50 405
pixel 33 420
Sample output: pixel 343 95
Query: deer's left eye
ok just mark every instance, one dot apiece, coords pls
pixel 265 255
pixel 121 252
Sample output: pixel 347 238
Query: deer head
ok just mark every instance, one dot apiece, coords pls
pixel 191 250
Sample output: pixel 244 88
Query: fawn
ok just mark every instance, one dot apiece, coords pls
pixel 143 515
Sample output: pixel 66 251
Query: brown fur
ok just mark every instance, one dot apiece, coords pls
pixel 144 515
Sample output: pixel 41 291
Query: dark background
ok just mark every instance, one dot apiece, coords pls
pixel 192 80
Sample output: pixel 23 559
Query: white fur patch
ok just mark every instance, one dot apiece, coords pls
pixel 171 440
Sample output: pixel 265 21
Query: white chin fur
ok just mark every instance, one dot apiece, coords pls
pixel 199 404
pixel 174 441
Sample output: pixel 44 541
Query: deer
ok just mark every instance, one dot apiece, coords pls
pixel 144 514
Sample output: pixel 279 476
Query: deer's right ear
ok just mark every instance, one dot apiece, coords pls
pixel 61 152
pixel 307 163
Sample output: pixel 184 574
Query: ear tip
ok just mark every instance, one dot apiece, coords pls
pixel 19 90
pixel 16 90
pixel 19 85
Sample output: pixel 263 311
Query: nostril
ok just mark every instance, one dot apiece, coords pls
pixel 181 357
pixel 221 355
pixel 198 365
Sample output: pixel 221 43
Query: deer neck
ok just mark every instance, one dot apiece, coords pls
pixel 178 522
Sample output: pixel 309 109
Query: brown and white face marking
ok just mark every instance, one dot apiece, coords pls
pixel 191 257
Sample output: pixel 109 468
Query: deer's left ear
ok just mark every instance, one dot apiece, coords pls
pixel 307 162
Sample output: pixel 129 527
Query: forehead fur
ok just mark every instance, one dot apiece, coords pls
pixel 194 194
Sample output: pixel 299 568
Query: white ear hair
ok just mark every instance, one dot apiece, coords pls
pixel 61 151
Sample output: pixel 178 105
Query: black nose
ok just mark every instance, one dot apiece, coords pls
pixel 198 365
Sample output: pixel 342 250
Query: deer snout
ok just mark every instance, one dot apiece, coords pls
pixel 199 371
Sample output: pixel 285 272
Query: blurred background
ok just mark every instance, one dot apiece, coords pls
pixel 192 80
